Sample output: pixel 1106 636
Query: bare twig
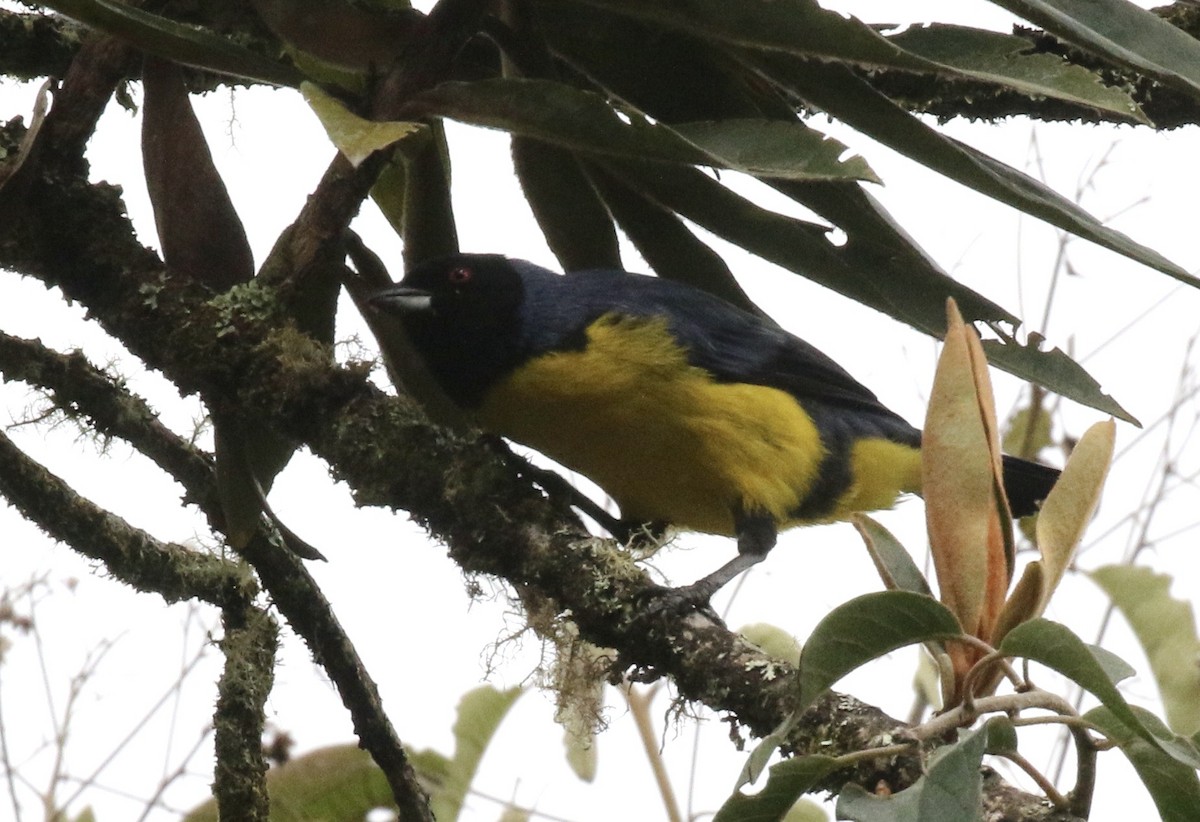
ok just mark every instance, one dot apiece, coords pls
pixel 639 707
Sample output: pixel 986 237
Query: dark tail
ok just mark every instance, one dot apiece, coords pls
pixel 1027 484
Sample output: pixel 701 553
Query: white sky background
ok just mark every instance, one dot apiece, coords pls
pixel 404 602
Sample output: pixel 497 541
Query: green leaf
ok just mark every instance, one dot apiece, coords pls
pixel 356 137
pixel 584 121
pixel 1172 785
pixel 876 242
pixel 338 782
pixel 479 714
pixel 428 227
pixel 1054 370
pixel 844 95
pixel 1069 506
pixel 866 628
pixel 794 244
pixel 179 42
pixel 803 29
pixel 799 27
pixel 1121 32
pixel 786 782
pixel 667 244
pixel 567 208
pixel 775 148
pixel 893 562
pixel 1001 736
pixel 1060 524
pixel 1166 629
pixel 1027 432
pixel 1056 647
pixel 951 789
pixel 1006 60
pixel 764 750
pixel 1117 669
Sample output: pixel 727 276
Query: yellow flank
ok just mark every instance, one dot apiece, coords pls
pixel 630 399
pixel 882 469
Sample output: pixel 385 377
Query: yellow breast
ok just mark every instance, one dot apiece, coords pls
pixel 667 441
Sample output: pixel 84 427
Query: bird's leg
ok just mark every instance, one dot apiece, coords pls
pixel 756 535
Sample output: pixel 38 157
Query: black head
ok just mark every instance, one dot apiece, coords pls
pixel 476 288
pixel 462 314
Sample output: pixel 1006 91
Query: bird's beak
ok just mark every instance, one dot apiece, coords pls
pixel 402 299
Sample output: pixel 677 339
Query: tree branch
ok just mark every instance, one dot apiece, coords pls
pixel 239 781
pixel 33 46
pixel 82 390
pixel 130 554
pixel 79 386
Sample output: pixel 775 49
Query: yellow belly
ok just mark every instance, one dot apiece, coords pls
pixel 670 444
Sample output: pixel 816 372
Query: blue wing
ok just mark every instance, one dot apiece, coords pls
pixel 731 344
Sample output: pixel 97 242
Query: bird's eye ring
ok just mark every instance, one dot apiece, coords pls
pixel 459 276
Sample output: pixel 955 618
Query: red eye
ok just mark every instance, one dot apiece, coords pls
pixel 459 276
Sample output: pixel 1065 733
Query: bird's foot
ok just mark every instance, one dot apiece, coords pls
pixel 660 601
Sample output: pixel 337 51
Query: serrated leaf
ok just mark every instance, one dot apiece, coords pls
pixel 1058 648
pixel 775 148
pixel 479 715
pixel 179 42
pixel 842 94
pixel 1008 60
pixel 794 244
pixel 876 242
pixel 1173 785
pixel 866 628
pixel 1121 32
pixel 1166 629
pixel 804 29
pixel 1055 370
pixel 356 137
pixel 786 782
pixel 952 788
pixel 893 562
pixel 585 121
pixel 345 34
pixel 799 27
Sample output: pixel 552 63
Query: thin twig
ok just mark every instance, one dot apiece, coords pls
pixel 639 707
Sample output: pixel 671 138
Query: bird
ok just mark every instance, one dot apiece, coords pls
pixel 683 408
